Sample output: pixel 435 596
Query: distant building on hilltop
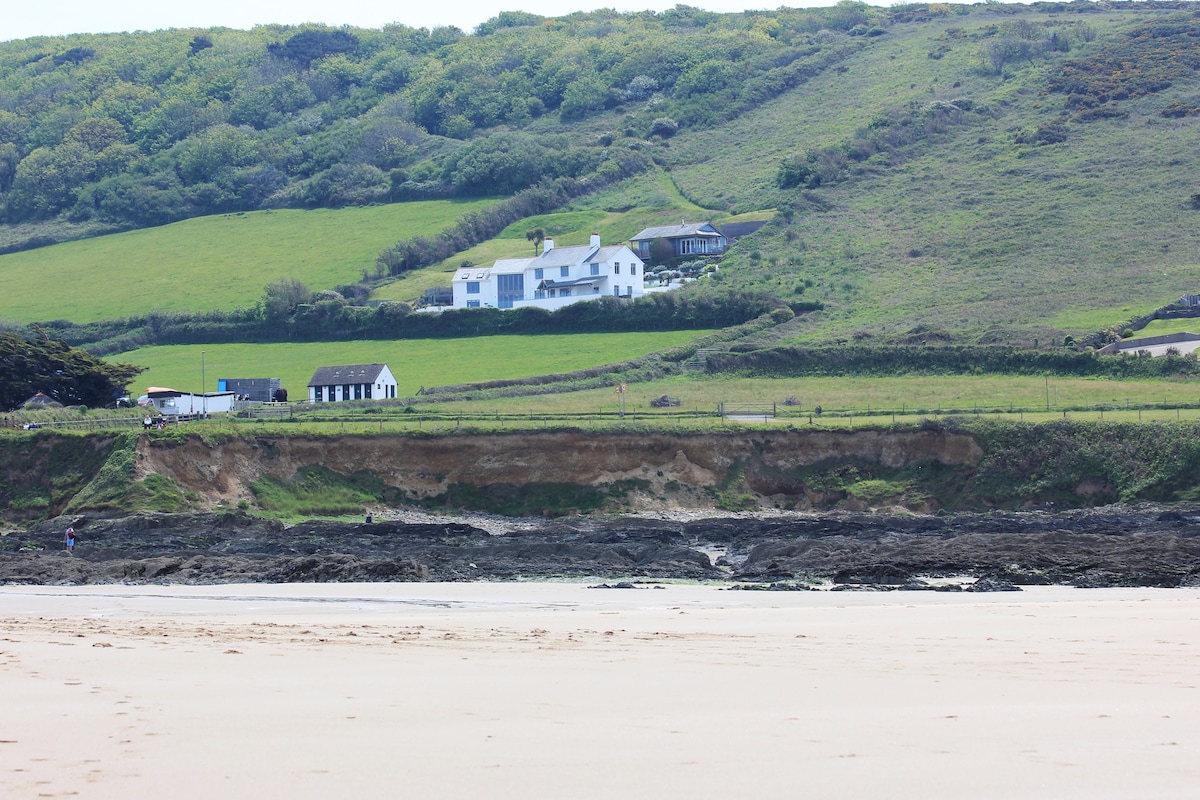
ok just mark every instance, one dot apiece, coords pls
pixel 351 382
pixel 686 239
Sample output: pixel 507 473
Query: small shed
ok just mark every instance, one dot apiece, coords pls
pixel 256 390
pixel 351 382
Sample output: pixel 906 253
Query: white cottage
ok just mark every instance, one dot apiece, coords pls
pixel 351 382
pixel 558 277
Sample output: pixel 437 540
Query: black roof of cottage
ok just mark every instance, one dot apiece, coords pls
pixel 347 373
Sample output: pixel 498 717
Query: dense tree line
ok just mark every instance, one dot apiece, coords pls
pixel 36 363
pixel 289 312
pixel 948 360
pixel 145 128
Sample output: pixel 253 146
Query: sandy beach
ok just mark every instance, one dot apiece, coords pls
pixel 559 690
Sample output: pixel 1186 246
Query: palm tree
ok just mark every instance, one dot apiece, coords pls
pixel 537 236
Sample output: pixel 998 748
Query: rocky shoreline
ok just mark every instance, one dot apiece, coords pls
pixel 1114 546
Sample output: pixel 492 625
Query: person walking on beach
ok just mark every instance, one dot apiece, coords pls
pixel 70 539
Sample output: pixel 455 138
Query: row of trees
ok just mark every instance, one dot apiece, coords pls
pixel 948 360
pixel 289 311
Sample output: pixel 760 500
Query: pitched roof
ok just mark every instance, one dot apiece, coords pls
pixel 347 373
pixel 564 256
pixel 675 231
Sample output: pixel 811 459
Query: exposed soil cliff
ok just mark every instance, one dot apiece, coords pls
pixel 651 470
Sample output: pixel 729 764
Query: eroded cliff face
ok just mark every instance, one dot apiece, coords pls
pixel 670 471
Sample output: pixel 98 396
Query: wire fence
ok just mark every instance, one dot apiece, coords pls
pixel 431 418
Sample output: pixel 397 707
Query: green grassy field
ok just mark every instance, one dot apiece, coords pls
pixel 218 262
pixel 1160 327
pixel 932 394
pixel 414 362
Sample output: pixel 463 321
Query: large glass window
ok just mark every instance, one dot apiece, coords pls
pixel 564 272
pixel 472 287
pixel 595 268
pixel 539 273
pixel 509 289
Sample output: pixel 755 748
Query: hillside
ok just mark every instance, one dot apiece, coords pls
pixel 994 173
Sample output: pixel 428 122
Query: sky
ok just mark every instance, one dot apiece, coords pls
pixel 22 19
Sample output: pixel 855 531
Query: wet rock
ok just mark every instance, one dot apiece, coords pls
pixel 988 584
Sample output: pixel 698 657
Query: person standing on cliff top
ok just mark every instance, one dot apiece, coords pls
pixel 70 539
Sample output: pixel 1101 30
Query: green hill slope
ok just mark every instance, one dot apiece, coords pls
pixel 976 228
pixel 218 262
pixel 985 173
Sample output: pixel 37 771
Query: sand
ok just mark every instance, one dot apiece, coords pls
pixel 557 690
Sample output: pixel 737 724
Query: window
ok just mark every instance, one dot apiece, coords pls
pixel 616 291
pixel 564 292
pixel 616 268
pixel 472 304
pixel 539 273
pixel 318 394
pixel 564 272
pixel 633 269
pixel 345 391
pixel 595 268
pixel 367 392
pixel 509 289
pixel 472 287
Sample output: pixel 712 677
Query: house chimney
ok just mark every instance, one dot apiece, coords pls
pixel 547 246
pixel 595 240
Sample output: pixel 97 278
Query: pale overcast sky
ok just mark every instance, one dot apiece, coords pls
pixel 22 19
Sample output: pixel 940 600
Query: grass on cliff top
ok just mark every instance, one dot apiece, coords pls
pixel 217 262
pixel 414 362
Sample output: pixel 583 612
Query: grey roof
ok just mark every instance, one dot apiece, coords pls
pixel 675 231
pixel 348 373
pixel 564 256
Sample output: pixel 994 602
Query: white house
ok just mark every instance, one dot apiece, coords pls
pixel 351 382
pixel 558 277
